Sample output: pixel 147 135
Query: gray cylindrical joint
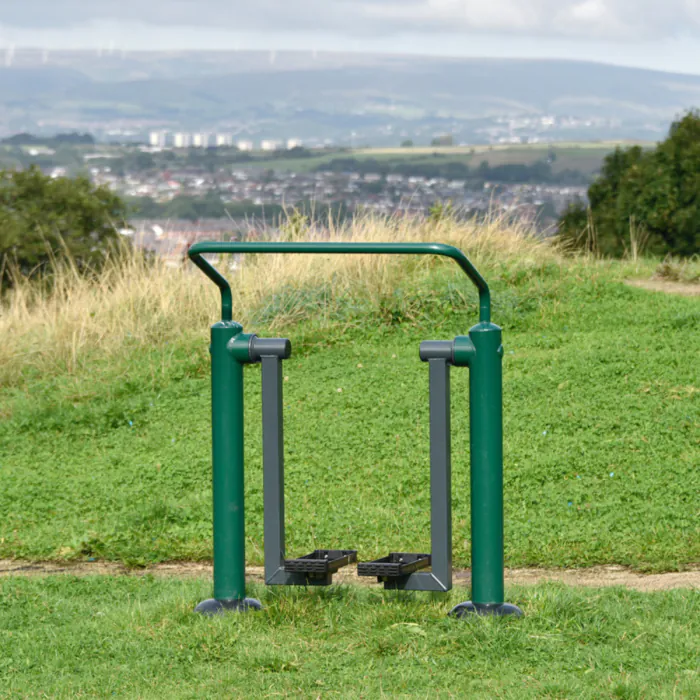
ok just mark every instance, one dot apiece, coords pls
pixel 270 347
pixel 436 350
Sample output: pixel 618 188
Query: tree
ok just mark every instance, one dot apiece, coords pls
pixel 654 194
pixel 144 161
pixel 72 139
pixel 443 140
pixel 41 217
pixel 408 143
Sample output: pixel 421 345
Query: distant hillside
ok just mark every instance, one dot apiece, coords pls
pixel 381 98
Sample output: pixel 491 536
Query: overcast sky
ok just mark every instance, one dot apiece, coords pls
pixel 662 34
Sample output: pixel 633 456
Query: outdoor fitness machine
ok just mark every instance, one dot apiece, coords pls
pixel 481 351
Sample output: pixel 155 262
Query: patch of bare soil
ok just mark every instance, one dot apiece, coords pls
pixel 604 576
pixel 595 577
pixel 684 288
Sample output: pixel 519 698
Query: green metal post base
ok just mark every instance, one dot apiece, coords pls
pixel 485 610
pixel 213 607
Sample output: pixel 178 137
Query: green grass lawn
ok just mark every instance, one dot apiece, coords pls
pixel 111 460
pixel 137 637
pixel 601 431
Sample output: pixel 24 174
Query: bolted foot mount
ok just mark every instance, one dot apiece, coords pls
pixel 213 606
pixel 485 609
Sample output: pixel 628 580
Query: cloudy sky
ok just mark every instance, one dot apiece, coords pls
pixel 662 34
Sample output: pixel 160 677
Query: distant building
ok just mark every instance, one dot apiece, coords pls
pixel 158 139
pixel 42 151
pixel 245 145
pixel 269 145
pixel 201 140
pixel 294 143
pixel 182 140
pixel 224 140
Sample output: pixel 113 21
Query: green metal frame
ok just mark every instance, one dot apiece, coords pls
pixel 447 251
pixel 481 351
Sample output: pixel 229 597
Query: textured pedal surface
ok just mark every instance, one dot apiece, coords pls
pixel 321 561
pixel 394 565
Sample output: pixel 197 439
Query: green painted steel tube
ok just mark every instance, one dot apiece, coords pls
pixel 227 439
pixel 486 438
pixel 221 282
pixel 198 249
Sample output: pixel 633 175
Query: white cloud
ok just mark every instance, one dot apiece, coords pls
pixel 572 18
pixel 496 15
pixel 591 10
pixel 555 18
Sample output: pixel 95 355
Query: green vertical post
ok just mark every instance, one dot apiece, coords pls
pixel 228 483
pixel 482 352
pixel 227 454
pixel 486 437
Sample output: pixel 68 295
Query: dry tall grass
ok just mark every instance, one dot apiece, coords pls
pixel 133 303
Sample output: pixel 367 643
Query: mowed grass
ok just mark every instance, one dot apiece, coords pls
pixel 138 637
pixel 112 459
pixel 105 454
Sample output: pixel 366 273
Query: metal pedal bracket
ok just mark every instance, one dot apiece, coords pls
pixel 321 562
pixel 395 565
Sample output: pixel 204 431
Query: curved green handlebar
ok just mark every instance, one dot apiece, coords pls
pixel 198 249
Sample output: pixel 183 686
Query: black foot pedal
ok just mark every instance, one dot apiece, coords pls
pixel 396 565
pixel 321 564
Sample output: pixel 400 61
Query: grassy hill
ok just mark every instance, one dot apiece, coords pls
pixel 105 454
pixel 105 425
pixel 585 157
pixel 472 87
pixel 326 95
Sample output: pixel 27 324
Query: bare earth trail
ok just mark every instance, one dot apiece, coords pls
pixel 595 577
pixel 684 289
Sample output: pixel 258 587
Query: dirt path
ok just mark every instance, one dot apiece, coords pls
pixel 599 576
pixel 685 289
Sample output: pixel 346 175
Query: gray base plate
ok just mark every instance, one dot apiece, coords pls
pixel 484 609
pixel 219 607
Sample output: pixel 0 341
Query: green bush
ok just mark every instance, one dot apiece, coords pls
pixel 43 218
pixel 643 198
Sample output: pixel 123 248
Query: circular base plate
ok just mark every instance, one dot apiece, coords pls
pixel 485 609
pixel 219 607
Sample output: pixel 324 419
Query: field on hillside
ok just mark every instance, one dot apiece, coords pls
pixel 585 157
